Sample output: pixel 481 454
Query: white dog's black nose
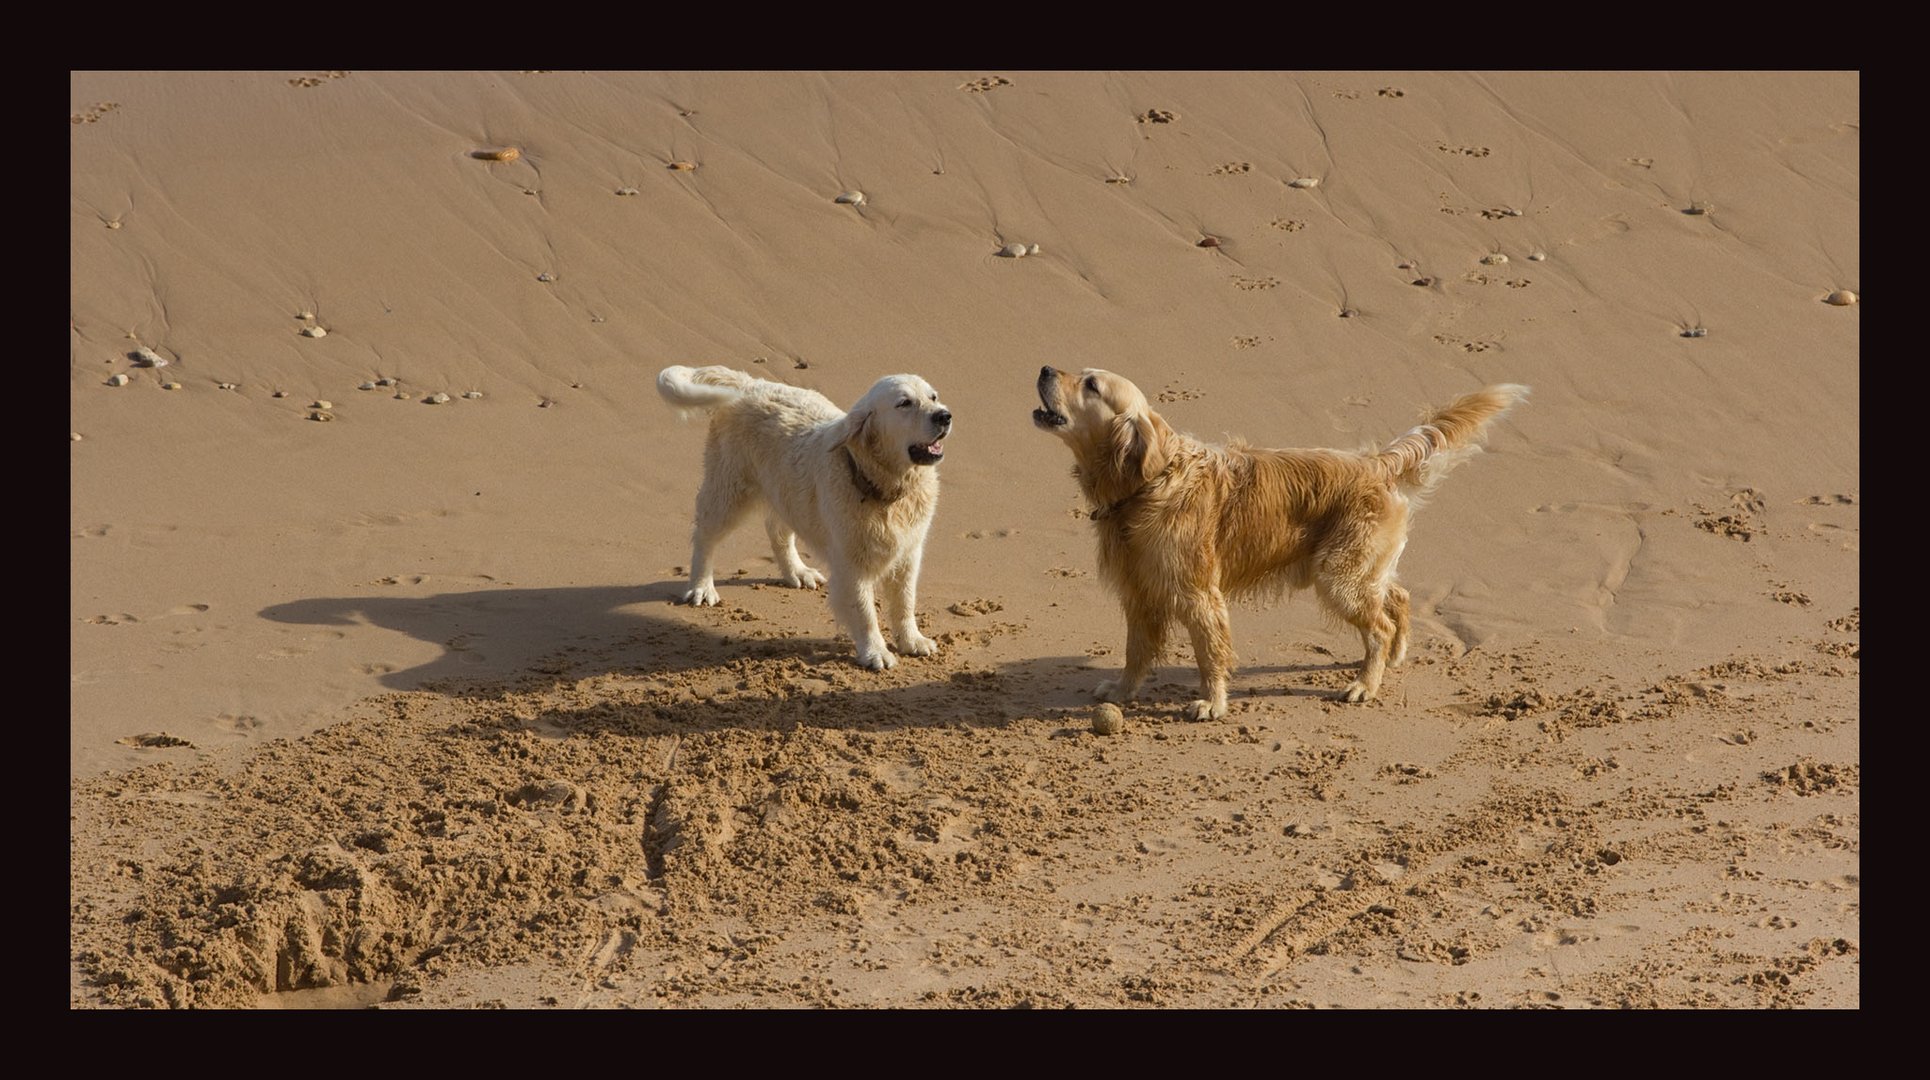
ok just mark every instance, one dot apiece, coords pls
pixel 943 418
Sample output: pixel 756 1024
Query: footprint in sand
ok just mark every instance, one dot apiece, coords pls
pixel 1465 151
pixel 1232 168
pixel 317 80
pixel 1391 92
pixel 111 620
pixel 242 724
pixel 983 85
pixel 159 740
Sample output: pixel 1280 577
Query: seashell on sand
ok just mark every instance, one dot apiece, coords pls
pixel 1013 251
pixel 506 153
pixel 314 331
pixel 851 198
pixel 1841 298
pixel 118 379
pixel 1305 182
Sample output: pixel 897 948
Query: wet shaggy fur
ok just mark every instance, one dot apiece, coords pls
pixel 1184 526
pixel 860 488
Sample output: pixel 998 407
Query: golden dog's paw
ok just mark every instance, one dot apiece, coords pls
pixel 917 644
pixel 1110 691
pixel 805 578
pixel 702 596
pixel 1357 692
pixel 1205 710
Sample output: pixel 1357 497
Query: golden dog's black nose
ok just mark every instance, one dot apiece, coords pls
pixel 1046 372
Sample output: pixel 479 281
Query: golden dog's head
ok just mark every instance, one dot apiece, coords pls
pixel 1116 438
pixel 899 423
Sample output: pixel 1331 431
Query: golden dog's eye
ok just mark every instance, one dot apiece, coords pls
pixel 1092 384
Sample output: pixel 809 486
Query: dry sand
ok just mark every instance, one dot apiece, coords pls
pixel 396 708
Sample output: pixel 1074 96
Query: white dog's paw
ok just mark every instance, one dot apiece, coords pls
pixel 1109 691
pixel 916 644
pixel 1356 692
pixel 805 578
pixel 704 595
pixel 1205 710
pixel 877 659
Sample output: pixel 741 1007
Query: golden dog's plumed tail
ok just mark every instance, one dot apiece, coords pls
pixel 690 389
pixel 1422 457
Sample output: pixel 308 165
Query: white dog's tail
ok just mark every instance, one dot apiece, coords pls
pixel 691 389
pixel 1420 459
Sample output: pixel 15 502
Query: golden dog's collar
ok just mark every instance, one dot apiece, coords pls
pixel 1113 508
pixel 868 491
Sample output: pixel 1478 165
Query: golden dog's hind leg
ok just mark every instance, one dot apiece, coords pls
pixel 1368 613
pixel 1397 609
pixel 790 568
pixel 1213 650
pixel 1145 640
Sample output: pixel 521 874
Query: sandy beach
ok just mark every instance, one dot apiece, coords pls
pixel 381 696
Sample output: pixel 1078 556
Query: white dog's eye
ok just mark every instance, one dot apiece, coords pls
pixel 905 404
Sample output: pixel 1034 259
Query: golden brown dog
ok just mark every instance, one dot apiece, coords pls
pixel 1184 526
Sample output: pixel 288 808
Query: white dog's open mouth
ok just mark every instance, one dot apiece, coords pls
pixel 926 453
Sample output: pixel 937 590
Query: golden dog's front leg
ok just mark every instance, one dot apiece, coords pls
pixel 1145 640
pixel 1212 634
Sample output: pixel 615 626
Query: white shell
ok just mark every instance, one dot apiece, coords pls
pixel 170 386
pixel 1013 251
pixel 1031 249
pixel 1537 256
pixel 472 394
pixel 118 379
pixel 322 416
pixel 853 198
pixel 224 386
pixel 76 435
pixel 1305 182
pixel 314 331
pixel 546 276
pixel 1842 298
pixel 437 399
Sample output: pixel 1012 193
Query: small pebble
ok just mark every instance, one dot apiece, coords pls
pixel 1510 211
pixel 112 224
pixel 1841 298
pixel 507 153
pixel 1305 182
pixel 546 276
pixel 853 198
pixel 1210 241
pixel 1031 249
pixel 281 393
pixel 366 386
pixel 314 331
pixel 681 166
pixel 170 386
pixel 1494 258
pixel 1013 251
pixel 437 398
pixel 224 386
pixel 320 404
pixel 147 357
pixel 324 417
pixel 1404 266
pixel 626 191
pixel 403 395
pixel 76 435
pixel 385 381
pixel 801 364
pixel 304 315
pixel 1424 282
pixel 1348 313
pixel 545 403
pixel 1695 331
pixel 1537 256
pixel 472 394
pixel 118 379
pixel 1699 209
pixel 1107 719
pixel 1297 829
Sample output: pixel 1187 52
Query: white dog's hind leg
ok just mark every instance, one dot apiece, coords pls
pixel 852 603
pixel 784 548
pixel 721 505
pixel 901 607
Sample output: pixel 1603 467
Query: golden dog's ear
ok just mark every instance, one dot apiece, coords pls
pixel 1139 445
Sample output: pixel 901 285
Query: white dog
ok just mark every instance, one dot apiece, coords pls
pixel 859 487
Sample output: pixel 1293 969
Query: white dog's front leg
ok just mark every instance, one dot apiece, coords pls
pixel 852 603
pixel 901 607
pixel 792 569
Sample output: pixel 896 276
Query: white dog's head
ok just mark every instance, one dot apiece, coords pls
pixel 899 423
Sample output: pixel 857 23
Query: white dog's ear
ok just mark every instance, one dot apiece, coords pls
pixel 854 428
pixel 1139 445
